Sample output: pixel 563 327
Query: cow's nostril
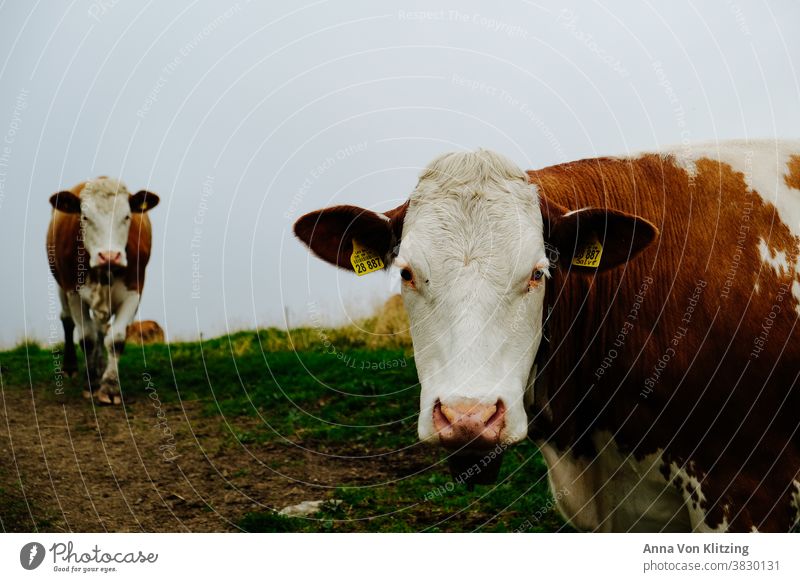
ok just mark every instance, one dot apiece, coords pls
pixel 498 414
pixel 487 413
pixel 440 419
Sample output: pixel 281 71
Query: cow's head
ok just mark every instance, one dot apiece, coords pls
pixel 474 245
pixel 105 207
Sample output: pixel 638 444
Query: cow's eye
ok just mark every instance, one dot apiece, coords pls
pixel 127 218
pixel 406 275
pixel 537 277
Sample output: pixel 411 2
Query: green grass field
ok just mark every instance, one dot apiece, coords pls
pixel 346 398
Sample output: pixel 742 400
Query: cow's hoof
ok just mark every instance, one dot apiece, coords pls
pixel 108 393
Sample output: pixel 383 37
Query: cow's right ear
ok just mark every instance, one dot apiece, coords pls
pixel 66 201
pixel 590 240
pixel 330 232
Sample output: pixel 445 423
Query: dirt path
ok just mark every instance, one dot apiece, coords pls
pixel 85 468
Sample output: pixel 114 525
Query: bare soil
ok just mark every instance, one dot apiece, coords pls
pixel 70 466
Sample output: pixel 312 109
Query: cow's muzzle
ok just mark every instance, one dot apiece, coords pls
pixel 467 424
pixel 109 258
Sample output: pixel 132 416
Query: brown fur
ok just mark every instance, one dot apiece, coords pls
pixel 793 177
pixel 725 416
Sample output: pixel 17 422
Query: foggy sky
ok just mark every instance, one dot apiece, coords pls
pixel 244 116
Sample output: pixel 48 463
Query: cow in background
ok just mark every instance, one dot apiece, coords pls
pixel 144 333
pixel 98 246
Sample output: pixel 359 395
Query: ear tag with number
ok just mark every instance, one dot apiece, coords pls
pixel 589 255
pixel 365 260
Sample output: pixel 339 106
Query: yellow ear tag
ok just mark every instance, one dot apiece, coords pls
pixel 143 206
pixel 365 260
pixel 589 255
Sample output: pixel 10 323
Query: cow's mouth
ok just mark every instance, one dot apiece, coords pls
pixel 476 468
pixel 106 273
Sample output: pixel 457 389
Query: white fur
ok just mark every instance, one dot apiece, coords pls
pixel 472 236
pixel 776 260
pixel 795 504
pixel 796 293
pixel 696 507
pixel 81 316
pixel 764 165
pixel 105 218
pixel 613 491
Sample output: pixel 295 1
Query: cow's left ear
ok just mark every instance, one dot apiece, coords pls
pixel 66 201
pixel 143 201
pixel 595 239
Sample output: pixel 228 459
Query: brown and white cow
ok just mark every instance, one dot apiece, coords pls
pixel 665 394
pixel 98 245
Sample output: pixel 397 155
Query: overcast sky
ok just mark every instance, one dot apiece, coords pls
pixel 242 117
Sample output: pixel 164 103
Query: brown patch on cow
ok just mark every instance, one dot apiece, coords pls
pixel 726 400
pixel 792 179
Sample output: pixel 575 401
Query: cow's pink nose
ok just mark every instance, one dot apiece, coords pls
pixel 469 424
pixel 110 257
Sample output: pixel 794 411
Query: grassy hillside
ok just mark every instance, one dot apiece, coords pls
pixel 341 392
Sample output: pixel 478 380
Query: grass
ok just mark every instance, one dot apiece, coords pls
pixel 342 391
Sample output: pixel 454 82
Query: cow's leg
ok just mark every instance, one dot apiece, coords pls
pixel 125 302
pixel 70 367
pixel 85 333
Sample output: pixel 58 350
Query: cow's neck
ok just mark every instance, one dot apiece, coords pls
pixel 560 390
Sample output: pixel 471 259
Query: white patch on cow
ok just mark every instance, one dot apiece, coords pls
pixel 695 500
pixel 572 475
pixel 614 491
pixel 795 503
pixel 765 167
pixel 796 294
pixel 779 261
pixel 98 297
pixel 105 219
pixel 473 236
pixel 81 317
pixel 571 212
pixel 125 303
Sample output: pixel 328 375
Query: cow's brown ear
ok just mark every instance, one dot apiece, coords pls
pixel 595 239
pixel 66 201
pixel 143 201
pixel 330 232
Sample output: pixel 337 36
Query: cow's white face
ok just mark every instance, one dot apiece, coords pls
pixel 470 246
pixel 105 222
pixel 106 210
pixel 473 264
